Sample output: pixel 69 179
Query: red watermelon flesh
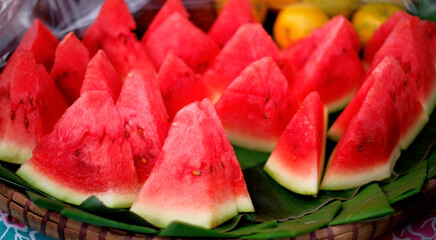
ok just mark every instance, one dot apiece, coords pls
pixel 113 20
pixel 101 76
pixel 429 31
pixel 257 106
pixel 324 70
pixel 250 43
pixel 369 147
pixel 144 119
pixel 409 46
pixel 31 105
pixel 179 84
pixel 42 42
pixel 234 14
pixel 187 41
pixel 170 7
pixel 206 184
pixel 382 33
pixel 126 52
pixel 297 161
pixel 86 155
pixel 293 58
pixel 71 61
pixel 411 114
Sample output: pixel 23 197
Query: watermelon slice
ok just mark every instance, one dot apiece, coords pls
pixel 297 161
pixel 42 42
pixel 126 52
pixel 257 106
pixel 30 106
pixel 113 20
pixel 234 14
pixel 71 61
pixel 86 155
pixel 144 119
pixel 187 41
pixel 369 147
pixel 324 69
pixel 101 76
pixel 409 43
pixel 411 114
pixel 170 7
pixel 179 84
pixel 381 34
pixel 250 43
pixel 209 185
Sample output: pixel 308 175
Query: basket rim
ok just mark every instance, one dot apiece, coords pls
pixel 51 223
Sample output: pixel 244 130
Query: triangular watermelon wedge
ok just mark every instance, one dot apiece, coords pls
pixel 144 119
pixel 257 106
pixel 42 42
pixel 187 41
pixel 102 76
pixel 324 70
pixel 411 114
pixel 113 20
pixel 369 146
pixel 410 46
pixel 85 155
pixel 179 84
pixel 125 53
pixel 250 43
pixel 30 104
pixel 71 61
pixel 297 161
pixel 209 185
pixel 170 7
pixel 234 14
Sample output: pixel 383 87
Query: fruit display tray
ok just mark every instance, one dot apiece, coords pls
pixel 53 224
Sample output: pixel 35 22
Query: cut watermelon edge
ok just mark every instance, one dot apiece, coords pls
pixel 414 131
pixel 252 143
pixel 14 153
pixel 39 180
pixel 345 180
pixel 197 217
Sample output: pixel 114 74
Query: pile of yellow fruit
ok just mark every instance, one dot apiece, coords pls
pixel 297 19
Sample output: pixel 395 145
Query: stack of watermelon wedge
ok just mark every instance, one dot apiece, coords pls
pixel 148 124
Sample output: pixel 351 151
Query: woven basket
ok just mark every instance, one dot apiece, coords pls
pixel 53 224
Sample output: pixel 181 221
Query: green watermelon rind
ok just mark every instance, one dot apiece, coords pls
pixel 163 217
pixel 14 153
pixel 340 181
pixel 41 181
pixel 304 185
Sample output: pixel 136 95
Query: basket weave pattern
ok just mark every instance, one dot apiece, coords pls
pixel 54 225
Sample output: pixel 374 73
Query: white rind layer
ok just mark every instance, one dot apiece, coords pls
pixel 10 152
pixel 349 180
pixel 249 142
pixel 39 180
pixel 161 216
pixel 413 132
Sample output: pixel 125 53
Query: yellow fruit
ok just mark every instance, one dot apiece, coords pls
pixel 370 16
pixel 279 4
pixel 260 8
pixel 297 21
pixel 336 7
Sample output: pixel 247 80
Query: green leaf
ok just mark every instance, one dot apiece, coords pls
pixel 248 158
pixel 425 9
pixel 342 195
pixel 273 202
pixel 419 149
pixel 431 172
pixel 302 225
pixel 45 202
pixel 407 185
pixel 82 216
pixel 367 204
pixel 9 176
